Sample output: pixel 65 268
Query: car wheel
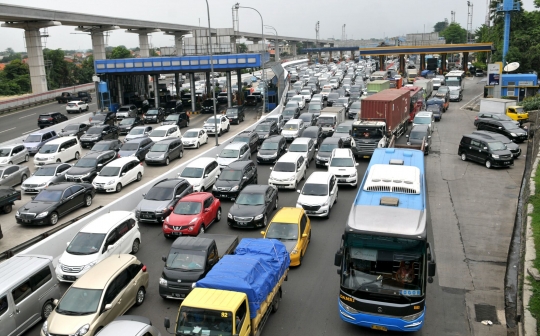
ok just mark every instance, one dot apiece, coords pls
pixel 304 177
pixel 187 123
pixel 218 215
pixel 135 246
pixel 335 200
pixel 141 295
pixel 118 187
pixel 88 200
pixel 201 229
pixel 7 208
pixel 219 133
pixel 77 155
pixel 54 218
pixel 265 221
pixel 228 127
pixel 80 110
pixel 198 145
pixel 167 161
pixel 58 161
pixel 23 178
pixel 463 157
pixel 488 164
pixel 139 177
pixel 275 301
pixel 26 158
pixel 47 309
pixel 181 155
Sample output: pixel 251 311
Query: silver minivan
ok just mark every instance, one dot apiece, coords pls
pixel 28 287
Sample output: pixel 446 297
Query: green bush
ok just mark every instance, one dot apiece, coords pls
pixel 531 103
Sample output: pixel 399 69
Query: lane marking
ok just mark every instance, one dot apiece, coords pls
pixel 37 129
pixel 27 116
pixel 8 130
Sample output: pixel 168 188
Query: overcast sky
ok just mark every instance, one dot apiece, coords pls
pixel 363 19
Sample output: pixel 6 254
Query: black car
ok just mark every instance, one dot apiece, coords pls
pixel 97 133
pixel 436 110
pixel 128 123
pixel 258 95
pixel 173 106
pixel 310 119
pixel 233 178
pixel 106 145
pixel 154 116
pixel 157 203
pixel 178 119
pixel 510 145
pixel 290 113
pixel 481 116
pixel 56 201
pixel 137 147
pixel 253 207
pixel 506 128
pixel 222 98
pixel 49 119
pixel 74 130
pixel 99 119
pixel 354 110
pixel 162 152
pixel 272 149
pixel 266 129
pixel 208 106
pixel 491 153
pixel 251 100
pixel 186 99
pixel 315 133
pixel 236 114
pixel 325 150
pixel 86 169
pixel 249 137
pixel 332 98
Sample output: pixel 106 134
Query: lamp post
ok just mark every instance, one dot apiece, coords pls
pixel 212 74
pixel 237 6
pixel 277 43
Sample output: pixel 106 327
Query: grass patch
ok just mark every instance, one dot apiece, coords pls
pixel 534 304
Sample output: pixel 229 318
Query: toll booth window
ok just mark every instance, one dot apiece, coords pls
pixel 195 321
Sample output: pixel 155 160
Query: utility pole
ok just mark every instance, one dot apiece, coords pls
pixel 343 33
pixel 452 17
pixel 469 21
pixel 317 34
pixel 488 21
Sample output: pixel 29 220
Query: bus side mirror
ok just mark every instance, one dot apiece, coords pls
pixel 432 267
pixel 337 258
pixel 167 323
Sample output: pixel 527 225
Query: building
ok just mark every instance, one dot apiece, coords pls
pixel 515 86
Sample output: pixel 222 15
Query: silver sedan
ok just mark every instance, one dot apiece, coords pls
pixel 11 175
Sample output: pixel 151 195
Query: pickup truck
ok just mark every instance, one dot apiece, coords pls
pixel 66 97
pixel 190 259
pixel 238 295
pixel 223 125
pixel 8 196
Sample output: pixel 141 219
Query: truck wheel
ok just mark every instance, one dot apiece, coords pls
pixel 7 208
pixel 275 301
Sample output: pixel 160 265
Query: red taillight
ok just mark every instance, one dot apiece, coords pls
pixel 117 155
pixel 49 118
pixel 476 118
pixel 140 163
pixel 144 268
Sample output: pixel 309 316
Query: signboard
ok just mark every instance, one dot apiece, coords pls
pixel 494 79
pixel 494 68
pixel 494 71
pixel 525 83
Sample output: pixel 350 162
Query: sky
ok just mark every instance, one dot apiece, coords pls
pixel 363 19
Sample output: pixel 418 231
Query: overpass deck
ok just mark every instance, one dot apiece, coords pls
pixel 397 50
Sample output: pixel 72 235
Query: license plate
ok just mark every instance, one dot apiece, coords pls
pixel 26 221
pixel 366 156
pixel 146 216
pixel 69 277
pixel 242 223
pixel 376 327
pixel 342 180
pixel 30 190
pixel 41 163
pixel 281 187
pixel 506 162
pixel 176 233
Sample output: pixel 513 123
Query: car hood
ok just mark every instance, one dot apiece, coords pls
pixel 36 207
pixel 193 181
pixel 90 136
pixel 125 126
pixel 324 154
pixel 226 184
pixel 225 161
pixel 262 134
pixel 172 274
pixel 288 132
pixel 96 122
pixel 124 153
pixel 149 205
pixel 267 151
pixel 38 179
pixel 169 122
pixel 131 136
pixel 104 179
pixel 67 133
pixel 59 324
pixel 502 152
pixel 156 139
pixel 79 171
pixel 342 170
pixel 31 144
pixel 289 244
pixel 510 146
pixel 516 131
pixel 312 200
pixel 246 210
pixel 415 141
pixel 281 175
pixel 69 259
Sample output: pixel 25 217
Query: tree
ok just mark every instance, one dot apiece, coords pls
pixel 59 72
pixel 83 73
pixel 15 79
pixel 120 52
pixel 241 48
pixel 440 26
pixel 454 33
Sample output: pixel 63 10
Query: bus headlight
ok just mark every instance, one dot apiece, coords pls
pixel 412 317
pixel 349 308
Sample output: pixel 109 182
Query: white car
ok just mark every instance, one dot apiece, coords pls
pixel 116 232
pixel 118 173
pixel 278 118
pixel 45 175
pixel 304 146
pixel 334 83
pixel 301 100
pixel 222 122
pixel 58 150
pixel 194 138
pixel 165 132
pixel 291 130
pixel 76 106
pixel 307 94
pixel 343 165
pixel 424 118
pixel 288 171
pixel 138 132
pixel 319 194
pixel 235 151
pixel 201 173
pixel 13 154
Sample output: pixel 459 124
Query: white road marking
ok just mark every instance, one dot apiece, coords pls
pixel 37 129
pixel 27 116
pixel 8 130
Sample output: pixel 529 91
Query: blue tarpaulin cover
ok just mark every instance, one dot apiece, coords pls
pixel 255 270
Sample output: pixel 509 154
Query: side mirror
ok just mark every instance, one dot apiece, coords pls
pixel 109 248
pixel 356 164
pixel 205 175
pixel 244 178
pixel 100 165
pixel 500 127
pixel 429 136
pixel 32 198
pixel 104 132
pixel 298 190
pixel 406 135
pixel 327 164
pixel 68 243
pixel 164 258
pixel 271 168
pixel 262 232
pixel 217 155
pixel 485 148
pixel 55 302
pixel 107 307
pixel 167 323
pixel 337 258
pixel 206 210
pixel 432 266
pixel 123 174
pixel 143 195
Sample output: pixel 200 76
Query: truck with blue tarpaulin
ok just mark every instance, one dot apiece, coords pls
pixel 238 295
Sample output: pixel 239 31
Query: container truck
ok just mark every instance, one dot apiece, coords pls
pixel 238 295
pixel 378 75
pixel 411 75
pixel 504 106
pixel 329 118
pixel 383 115
pixel 426 84
pixel 377 86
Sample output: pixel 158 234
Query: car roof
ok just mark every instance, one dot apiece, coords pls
pixel 99 126
pixel 164 141
pixel 319 177
pixel 104 223
pixel 20 267
pixel 238 165
pixel 255 188
pixel 274 138
pixel 201 162
pixel 169 182
pixel 342 153
pixel 61 185
pixel 61 140
pixel 40 132
pixel 54 165
pixel 289 157
pixel 331 140
pixel 422 128
pixel 235 145
pixel 108 141
pixel 194 129
pixel 97 154
pixel 301 141
pixel 480 137
pixel 348 123
pixel 164 127
pixel 192 243
pixel 121 161
pixel 136 127
pixel 286 215
pixel 102 273
pixel 141 139
pixel 294 121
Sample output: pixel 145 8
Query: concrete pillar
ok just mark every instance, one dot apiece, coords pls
pixel 38 76
pixel 319 58
pixel 146 86
pixel 177 83
pixel 309 58
pixel 422 62
pixel 143 45
pixel 98 45
pixel 208 85
pixel 156 90
pixel 465 63
pixel 178 44
pixel 402 64
pixel 240 93
pixel 192 90
pixel 382 64
pixel 443 63
pixel 331 58
pixel 293 49
pixel 229 88
pixel 341 55
pixel 120 90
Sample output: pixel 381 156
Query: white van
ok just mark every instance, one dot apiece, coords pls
pixel 288 171
pixel 319 194
pixel 118 174
pixel 116 232
pixel 292 129
pixel 343 166
pixel 58 150
pixel 201 173
pixel 424 118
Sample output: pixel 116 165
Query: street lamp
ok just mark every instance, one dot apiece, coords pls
pixel 277 43
pixel 212 74
pixel 237 6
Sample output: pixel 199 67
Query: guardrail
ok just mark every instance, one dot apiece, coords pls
pixel 9 105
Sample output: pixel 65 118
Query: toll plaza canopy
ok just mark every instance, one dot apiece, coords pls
pixel 158 65
pixel 396 50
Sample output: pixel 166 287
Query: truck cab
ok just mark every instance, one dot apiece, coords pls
pixel 368 135
pixel 517 113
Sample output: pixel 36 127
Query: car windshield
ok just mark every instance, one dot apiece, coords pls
pixel 128 121
pixel 136 131
pixel 342 162
pixel 85 243
pixel 290 127
pixel 191 134
pixel 94 130
pixel 232 112
pixel 300 148
pixel 187 260
pixel 282 231
pixel 325 120
pixel 497 145
pixel 296 99
pixel 188 208
pixel 355 106
pixel 315 107
pixel 285 167
pixel 208 103
pixel 45 171
pixel 269 145
pixel 192 172
pixel 315 189
pixel 129 147
pixel 86 163
pixel 262 128
pixel 33 138
pixel 152 112
pixel 417 135
pixel 229 153
pixel 48 196
pixel 230 175
pixel 343 129
pixel 333 96
pixel 123 109
pixel 79 301
pixel 173 117
pixel 306 92
pixel 159 148
pixel 327 147
pixel 250 199
pixel 47 149
pixel 100 147
pixel 99 117
pixel 454 92
pixel 109 171
pixel 327 90
pixel 213 120
pixel 71 128
pixel 159 194
pixel 422 120
pixel 5 152
pixel 158 133
pixel 289 112
pixel 509 125
pixel 343 100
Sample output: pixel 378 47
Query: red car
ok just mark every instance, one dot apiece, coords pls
pixel 192 215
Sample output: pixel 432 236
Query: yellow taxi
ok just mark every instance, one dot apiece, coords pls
pixel 292 227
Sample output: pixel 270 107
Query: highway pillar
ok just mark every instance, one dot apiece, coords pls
pixel 402 64
pixel 229 88
pixel 98 45
pixel 192 90
pixel 341 55
pixel 310 61
pixel 177 83
pixel 422 62
pixel 465 63
pixel 156 90
pixel 120 90
pixel 36 64
pixel 143 45
pixel 443 63
pixel 239 93
pixel 293 49
pixel 382 65
pixel 208 85
pixel 331 58
pixel 319 58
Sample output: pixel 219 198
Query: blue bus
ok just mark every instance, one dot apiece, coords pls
pixel 385 260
